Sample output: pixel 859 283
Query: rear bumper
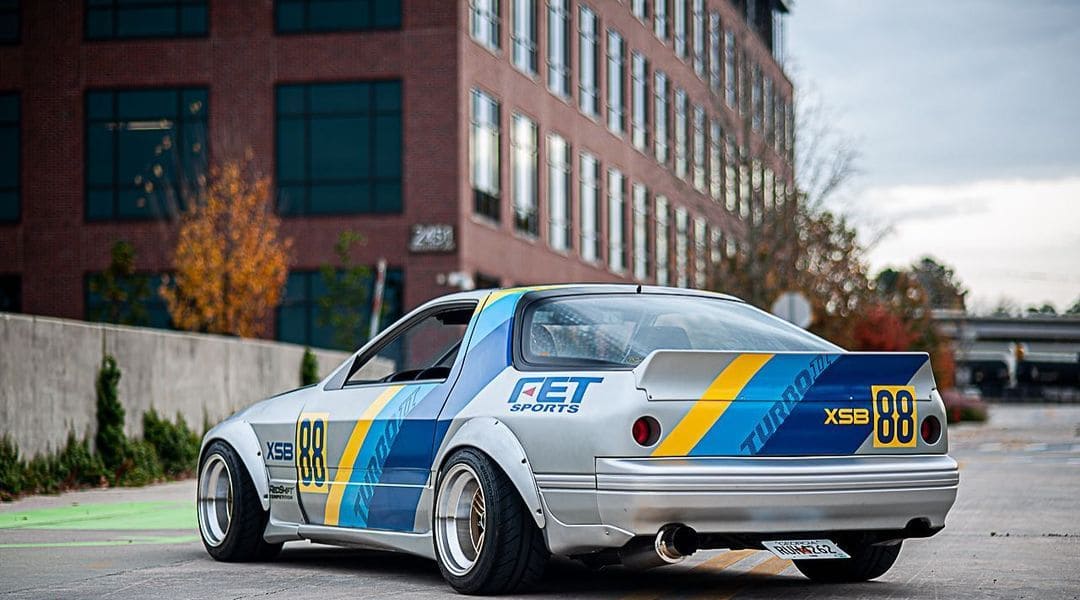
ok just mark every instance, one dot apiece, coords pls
pixel 638 496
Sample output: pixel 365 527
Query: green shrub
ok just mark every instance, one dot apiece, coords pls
pixel 76 466
pixel 309 368
pixel 141 465
pixel 110 440
pixel 976 413
pixel 176 446
pixel 12 469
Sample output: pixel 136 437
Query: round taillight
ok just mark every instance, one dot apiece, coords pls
pixel 931 429
pixel 646 431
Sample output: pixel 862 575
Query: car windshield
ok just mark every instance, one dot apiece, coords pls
pixel 621 330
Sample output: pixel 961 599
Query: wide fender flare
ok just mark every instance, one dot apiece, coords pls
pixel 492 437
pixel 242 438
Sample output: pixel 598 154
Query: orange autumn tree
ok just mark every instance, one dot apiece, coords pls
pixel 230 262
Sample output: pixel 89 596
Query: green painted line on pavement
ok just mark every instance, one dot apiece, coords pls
pixel 119 516
pixel 175 539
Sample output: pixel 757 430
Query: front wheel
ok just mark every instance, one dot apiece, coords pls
pixel 231 518
pixel 867 562
pixel 486 542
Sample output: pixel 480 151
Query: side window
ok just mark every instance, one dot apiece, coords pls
pixel 422 350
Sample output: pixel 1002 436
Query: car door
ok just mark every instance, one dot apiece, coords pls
pixel 364 447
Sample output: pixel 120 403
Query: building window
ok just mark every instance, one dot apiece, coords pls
pixel 10 152
pixel 755 97
pixel 714 53
pixel 640 9
pixel 681 141
pixel 660 111
pixel 114 19
pixel 679 19
pixel 639 101
pixel 588 47
pixel 559 47
pixel 699 38
pixel 641 232
pixel 660 19
pixel 616 76
pixel 558 189
pixel 789 130
pixel 135 300
pixel 339 148
pixel 699 149
pixel 730 95
pixel 298 16
pixel 716 164
pixel 682 249
pixel 485 23
pixel 9 23
pixel 662 257
pixel 523 35
pixel 301 320
pixel 484 155
pixel 716 246
pixel 766 110
pixel 744 184
pixel 144 148
pixel 590 207
pixel 700 256
pixel 523 180
pixel 10 293
pixel 730 179
pixel 616 221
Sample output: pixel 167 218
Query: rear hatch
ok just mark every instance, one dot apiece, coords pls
pixel 788 403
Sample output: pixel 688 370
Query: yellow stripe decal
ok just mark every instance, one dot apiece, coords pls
pixel 707 410
pixel 352 450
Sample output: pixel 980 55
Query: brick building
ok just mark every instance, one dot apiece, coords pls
pixel 483 142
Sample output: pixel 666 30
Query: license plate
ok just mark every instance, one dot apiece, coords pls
pixel 805 549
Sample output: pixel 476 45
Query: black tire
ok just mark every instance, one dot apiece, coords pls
pixel 514 554
pixel 867 562
pixel 243 538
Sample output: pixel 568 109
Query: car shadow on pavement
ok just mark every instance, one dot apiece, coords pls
pixel 567 578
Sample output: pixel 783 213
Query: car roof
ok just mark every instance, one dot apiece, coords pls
pixel 579 288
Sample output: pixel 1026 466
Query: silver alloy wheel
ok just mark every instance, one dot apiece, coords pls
pixel 460 519
pixel 215 500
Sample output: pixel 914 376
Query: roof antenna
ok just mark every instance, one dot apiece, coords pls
pixel 639 288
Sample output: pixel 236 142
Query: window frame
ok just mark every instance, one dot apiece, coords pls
pixel 487 16
pixel 588 91
pixel 526 42
pixel 17 126
pixel 115 187
pixel 529 151
pixel 306 29
pixel 558 64
pixel 308 181
pixel 114 8
pixel 491 198
pixel 616 82
pixel 389 335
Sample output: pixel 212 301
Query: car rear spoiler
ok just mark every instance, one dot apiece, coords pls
pixel 768 377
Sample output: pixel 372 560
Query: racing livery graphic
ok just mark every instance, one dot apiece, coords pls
pixel 610 424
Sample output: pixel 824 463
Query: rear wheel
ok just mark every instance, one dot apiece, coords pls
pixel 231 518
pixel 867 562
pixel 486 542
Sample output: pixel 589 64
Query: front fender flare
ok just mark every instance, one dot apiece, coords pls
pixel 242 438
pixel 492 437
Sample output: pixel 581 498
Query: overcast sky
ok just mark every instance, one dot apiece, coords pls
pixel 967 116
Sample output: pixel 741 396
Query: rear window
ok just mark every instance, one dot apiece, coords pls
pixel 612 330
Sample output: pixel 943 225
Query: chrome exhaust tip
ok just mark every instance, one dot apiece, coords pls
pixel 671 545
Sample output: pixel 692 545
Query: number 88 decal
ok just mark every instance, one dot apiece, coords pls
pixel 895 416
pixel 311 452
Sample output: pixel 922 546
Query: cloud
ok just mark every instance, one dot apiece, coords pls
pixel 1018 237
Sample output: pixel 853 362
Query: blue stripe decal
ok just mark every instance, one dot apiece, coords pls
pixel 753 407
pixel 368 469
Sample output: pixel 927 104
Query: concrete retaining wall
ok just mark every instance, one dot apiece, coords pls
pixel 48 369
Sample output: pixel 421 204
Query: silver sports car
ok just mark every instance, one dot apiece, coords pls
pixel 611 424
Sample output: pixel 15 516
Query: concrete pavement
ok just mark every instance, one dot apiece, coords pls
pixel 1014 533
